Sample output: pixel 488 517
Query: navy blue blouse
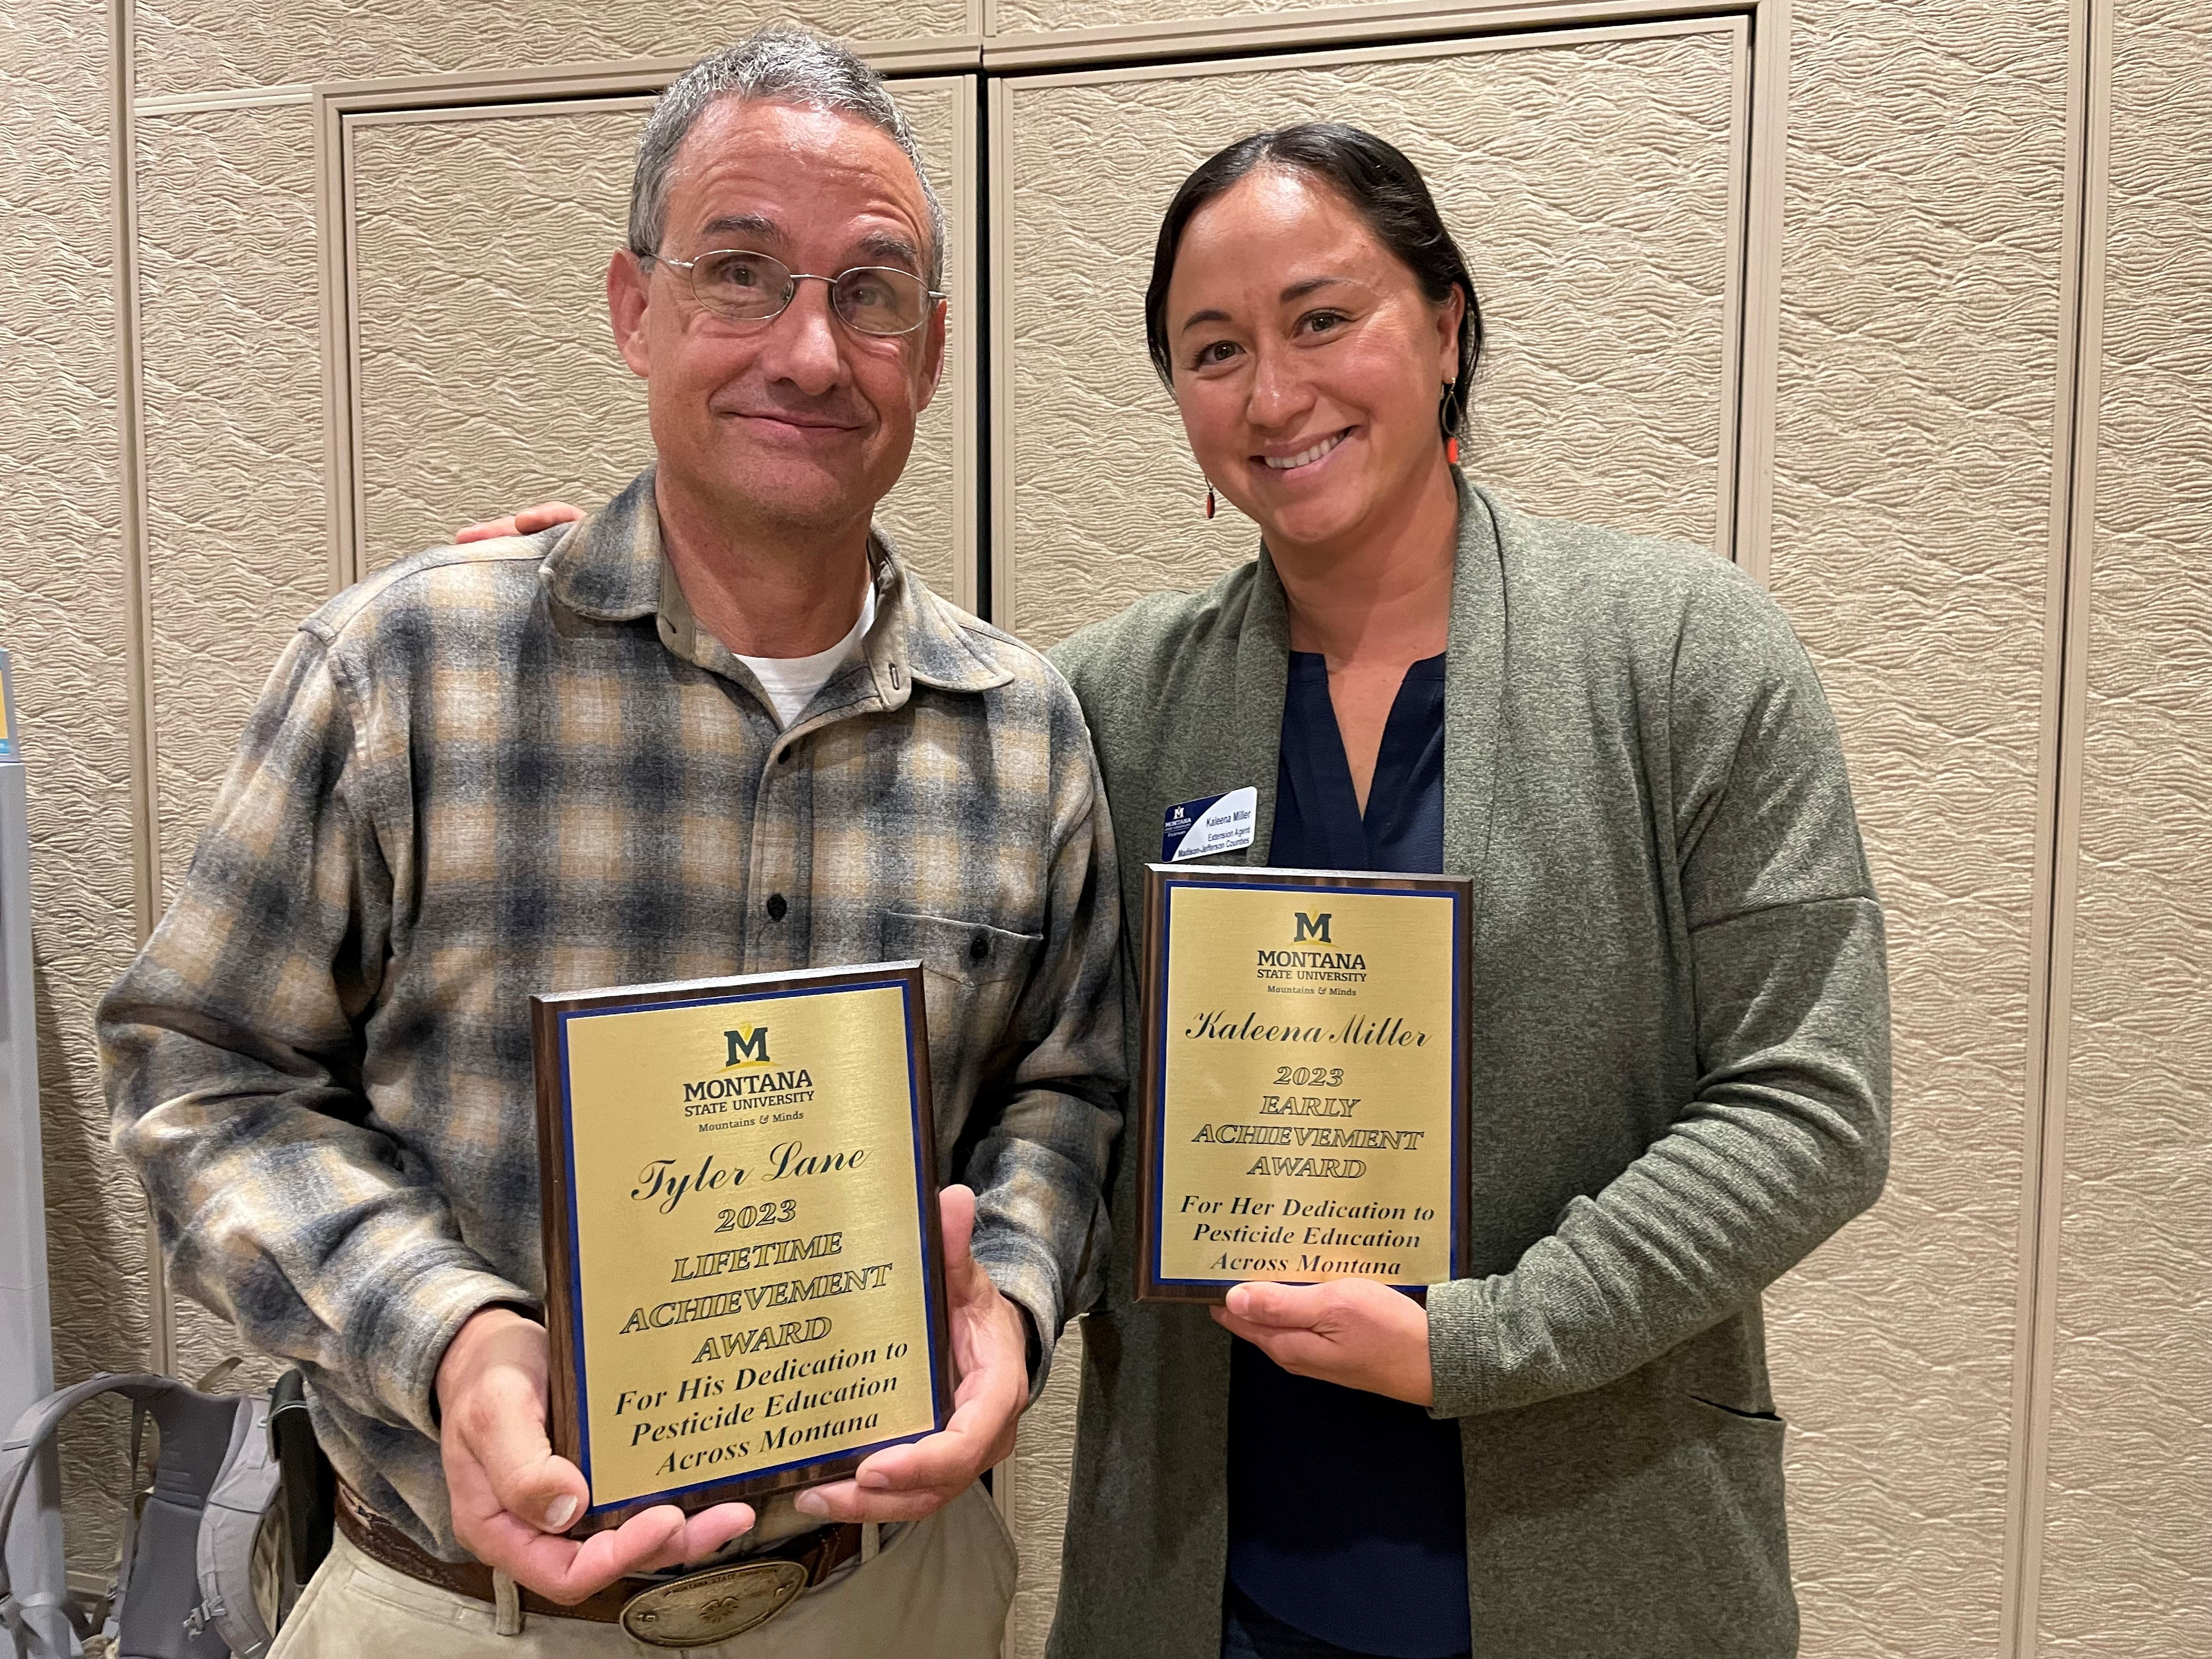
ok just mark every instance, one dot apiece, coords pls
pixel 1347 1510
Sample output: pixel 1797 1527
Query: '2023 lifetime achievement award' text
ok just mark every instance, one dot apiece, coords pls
pixel 1304 1112
pixel 745 1287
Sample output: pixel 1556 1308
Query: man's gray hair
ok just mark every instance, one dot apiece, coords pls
pixel 782 64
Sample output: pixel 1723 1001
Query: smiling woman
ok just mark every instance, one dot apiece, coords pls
pixel 1398 214
pixel 1679 1021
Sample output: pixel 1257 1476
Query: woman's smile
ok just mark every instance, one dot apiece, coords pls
pixel 1304 459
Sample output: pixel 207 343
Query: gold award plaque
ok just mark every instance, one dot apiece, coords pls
pixel 1305 1105
pixel 745 1287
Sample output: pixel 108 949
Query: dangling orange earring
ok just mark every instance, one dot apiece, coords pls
pixel 1451 450
pixel 1209 501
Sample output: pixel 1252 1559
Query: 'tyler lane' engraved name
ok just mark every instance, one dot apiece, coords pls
pixel 786 1160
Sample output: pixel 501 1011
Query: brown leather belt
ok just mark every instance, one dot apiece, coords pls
pixel 705 1606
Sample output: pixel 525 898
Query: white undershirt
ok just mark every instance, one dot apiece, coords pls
pixel 792 682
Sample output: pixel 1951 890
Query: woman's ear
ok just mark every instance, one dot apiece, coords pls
pixel 1449 316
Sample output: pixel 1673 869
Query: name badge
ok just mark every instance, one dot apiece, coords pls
pixel 1211 824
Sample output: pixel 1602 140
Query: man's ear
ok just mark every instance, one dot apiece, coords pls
pixel 932 355
pixel 627 276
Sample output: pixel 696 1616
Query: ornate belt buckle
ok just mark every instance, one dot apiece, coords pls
pixel 712 1607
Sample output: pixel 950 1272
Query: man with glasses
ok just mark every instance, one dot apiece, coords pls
pixel 717 726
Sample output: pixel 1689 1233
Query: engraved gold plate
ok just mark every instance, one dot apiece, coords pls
pixel 712 1607
pixel 745 1286
pixel 1306 1104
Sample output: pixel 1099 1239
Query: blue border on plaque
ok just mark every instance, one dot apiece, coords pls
pixel 1158 1174
pixel 931 1247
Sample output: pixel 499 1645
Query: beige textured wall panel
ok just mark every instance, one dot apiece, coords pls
pixel 1590 186
pixel 1921 294
pixel 236 548
pixel 1025 16
pixel 63 616
pixel 235 542
pixel 2128 1557
pixel 1044 1458
pixel 488 373
pixel 197 45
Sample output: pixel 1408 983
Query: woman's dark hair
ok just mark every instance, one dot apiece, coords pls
pixel 1376 179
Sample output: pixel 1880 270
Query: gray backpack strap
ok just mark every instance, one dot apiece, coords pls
pixel 162 1589
pixel 18 1453
pixel 243 1491
pixel 158 1589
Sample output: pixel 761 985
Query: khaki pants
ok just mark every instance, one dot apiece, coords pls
pixel 938 1590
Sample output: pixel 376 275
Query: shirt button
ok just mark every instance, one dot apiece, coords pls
pixel 979 947
pixel 777 907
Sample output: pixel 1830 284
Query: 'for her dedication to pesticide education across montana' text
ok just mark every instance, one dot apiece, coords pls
pixel 744 1282
pixel 1304 1112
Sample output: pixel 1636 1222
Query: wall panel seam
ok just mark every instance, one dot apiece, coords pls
pixel 1160 42
pixel 1748 513
pixel 999 223
pixel 2059 762
pixel 1352 48
pixel 190 103
pixel 130 420
pixel 968 353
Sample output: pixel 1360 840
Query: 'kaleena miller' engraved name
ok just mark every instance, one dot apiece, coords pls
pixel 753 1298
pixel 1347 961
pixel 1220 1026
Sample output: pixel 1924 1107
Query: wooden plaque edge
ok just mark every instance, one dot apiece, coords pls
pixel 1149 1287
pixel 565 1427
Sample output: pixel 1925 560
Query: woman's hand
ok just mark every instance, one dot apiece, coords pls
pixel 1348 1331
pixel 527 521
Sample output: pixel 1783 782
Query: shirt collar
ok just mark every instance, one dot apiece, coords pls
pixel 611 567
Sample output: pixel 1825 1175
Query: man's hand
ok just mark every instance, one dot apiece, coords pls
pixel 990 1357
pixel 513 1497
pixel 526 522
pixel 1349 1331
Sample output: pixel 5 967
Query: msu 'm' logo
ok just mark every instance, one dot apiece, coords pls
pixel 1314 927
pixel 752 1046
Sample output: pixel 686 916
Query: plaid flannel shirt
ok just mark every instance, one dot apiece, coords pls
pixel 521 766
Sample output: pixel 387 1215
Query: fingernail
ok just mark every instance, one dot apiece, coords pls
pixel 809 1503
pixel 560 1512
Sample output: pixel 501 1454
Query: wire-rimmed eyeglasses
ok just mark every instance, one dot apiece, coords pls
pixel 754 288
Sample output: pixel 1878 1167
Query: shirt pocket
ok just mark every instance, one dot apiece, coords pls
pixel 973 975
